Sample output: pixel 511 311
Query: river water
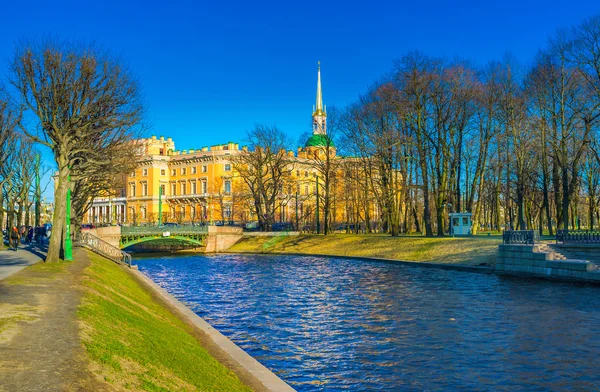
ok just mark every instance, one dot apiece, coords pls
pixel 327 324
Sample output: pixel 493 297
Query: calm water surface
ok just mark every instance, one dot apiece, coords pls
pixel 345 324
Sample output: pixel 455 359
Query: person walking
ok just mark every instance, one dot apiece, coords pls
pixel 14 238
pixel 22 234
pixel 41 235
pixel 30 235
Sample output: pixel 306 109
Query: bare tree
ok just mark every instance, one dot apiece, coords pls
pixel 323 158
pixel 82 98
pixel 102 177
pixel 9 118
pixel 265 167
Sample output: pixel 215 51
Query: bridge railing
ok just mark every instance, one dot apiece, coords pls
pixel 125 230
pixel 578 236
pixel 522 237
pixel 103 248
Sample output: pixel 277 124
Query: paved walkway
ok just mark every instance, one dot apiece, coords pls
pixel 13 261
pixel 40 347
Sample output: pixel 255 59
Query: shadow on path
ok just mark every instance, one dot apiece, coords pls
pixel 40 347
pixel 12 261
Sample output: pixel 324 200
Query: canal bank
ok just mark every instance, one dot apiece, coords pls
pixel 91 324
pixel 471 251
pixel 325 323
pixel 168 346
pixel 483 254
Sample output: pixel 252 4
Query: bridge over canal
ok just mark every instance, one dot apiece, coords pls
pixel 193 235
pixel 211 238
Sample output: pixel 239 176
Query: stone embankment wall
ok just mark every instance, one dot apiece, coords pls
pixel 533 260
pixel 110 234
pixel 221 238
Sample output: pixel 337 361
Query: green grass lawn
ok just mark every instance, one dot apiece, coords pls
pixel 464 250
pixel 137 344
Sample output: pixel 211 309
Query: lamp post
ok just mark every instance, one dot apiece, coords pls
pixel 68 242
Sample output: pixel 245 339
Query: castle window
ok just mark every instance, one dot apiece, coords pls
pixel 183 190
pixel 183 170
pixel 227 186
pixel 204 168
pixel 144 172
pixel 173 189
pixel 132 189
pixel 204 187
pixel 193 187
pixel 163 172
pixel 193 169
pixel 227 167
pixel 174 172
pixel 144 189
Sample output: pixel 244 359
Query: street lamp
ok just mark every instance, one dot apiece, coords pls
pixel 68 243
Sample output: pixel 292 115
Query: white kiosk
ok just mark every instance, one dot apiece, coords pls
pixel 461 223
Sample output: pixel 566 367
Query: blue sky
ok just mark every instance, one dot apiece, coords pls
pixel 211 70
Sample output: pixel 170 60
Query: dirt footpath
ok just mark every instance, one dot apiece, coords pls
pixel 40 349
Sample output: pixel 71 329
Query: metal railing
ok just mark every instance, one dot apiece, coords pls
pixel 103 248
pixel 578 236
pixel 522 237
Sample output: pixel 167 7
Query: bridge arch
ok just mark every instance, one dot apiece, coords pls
pixel 130 241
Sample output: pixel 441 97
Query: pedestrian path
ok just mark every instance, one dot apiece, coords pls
pixel 40 346
pixel 13 261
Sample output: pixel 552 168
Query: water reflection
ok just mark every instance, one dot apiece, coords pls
pixel 343 324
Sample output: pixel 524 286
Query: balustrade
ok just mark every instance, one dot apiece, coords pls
pixel 103 248
pixel 524 237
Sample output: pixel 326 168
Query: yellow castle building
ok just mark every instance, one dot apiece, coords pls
pixel 201 186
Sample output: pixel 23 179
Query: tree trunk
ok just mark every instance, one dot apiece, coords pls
pixel 565 197
pixel 58 222
pixel 416 218
pixel 521 205
pixel 2 218
pixel 440 220
pixel 557 196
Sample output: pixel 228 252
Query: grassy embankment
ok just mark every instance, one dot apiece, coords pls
pixel 135 343
pixel 462 250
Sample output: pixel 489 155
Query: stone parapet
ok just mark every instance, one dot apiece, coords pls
pixel 110 234
pixel 221 238
pixel 528 260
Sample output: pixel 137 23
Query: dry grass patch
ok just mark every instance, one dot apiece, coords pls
pixel 11 317
pixel 466 250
